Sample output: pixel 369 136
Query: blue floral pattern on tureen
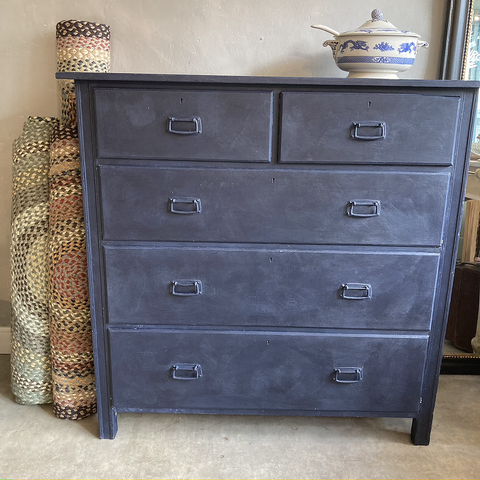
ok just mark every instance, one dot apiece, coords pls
pixel 383 47
pixel 407 48
pixel 354 45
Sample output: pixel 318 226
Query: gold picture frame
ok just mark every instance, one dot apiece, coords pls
pixel 461 21
pixel 455 42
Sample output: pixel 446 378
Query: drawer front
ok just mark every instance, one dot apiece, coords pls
pixel 183 125
pixel 279 206
pixel 368 128
pixel 265 370
pixel 269 287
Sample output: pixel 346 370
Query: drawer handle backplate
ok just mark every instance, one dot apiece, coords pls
pixel 356 291
pixel 184 205
pixel 193 125
pixel 348 374
pixel 186 371
pixel 363 208
pixel 357 127
pixel 186 288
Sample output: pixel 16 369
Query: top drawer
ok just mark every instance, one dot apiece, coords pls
pixel 368 128
pixel 183 125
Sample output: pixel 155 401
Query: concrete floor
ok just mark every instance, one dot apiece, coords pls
pixel 35 444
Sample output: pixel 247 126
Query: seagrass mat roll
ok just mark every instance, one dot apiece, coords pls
pixel 81 47
pixel 31 378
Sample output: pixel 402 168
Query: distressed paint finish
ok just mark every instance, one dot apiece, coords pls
pixel 317 283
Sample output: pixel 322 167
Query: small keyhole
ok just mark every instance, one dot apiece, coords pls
pixel 271 260
pixel 273 180
pixel 369 104
pixel 268 342
pixel 181 100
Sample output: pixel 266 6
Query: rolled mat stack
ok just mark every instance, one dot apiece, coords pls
pixel 81 47
pixel 30 357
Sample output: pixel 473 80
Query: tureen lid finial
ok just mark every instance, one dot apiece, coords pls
pixel 377 15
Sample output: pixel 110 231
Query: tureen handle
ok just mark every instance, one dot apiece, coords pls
pixel 333 45
pixel 377 15
pixel 326 29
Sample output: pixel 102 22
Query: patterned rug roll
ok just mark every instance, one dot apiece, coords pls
pixel 68 106
pixel 81 47
pixel 70 328
pixel 30 358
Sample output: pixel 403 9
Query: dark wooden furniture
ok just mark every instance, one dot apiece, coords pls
pixel 463 314
pixel 271 245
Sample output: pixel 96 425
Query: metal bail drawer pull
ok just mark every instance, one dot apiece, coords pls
pixel 356 291
pixel 363 208
pixel 192 125
pixel 358 126
pixel 186 371
pixel 186 288
pixel 348 374
pixel 184 205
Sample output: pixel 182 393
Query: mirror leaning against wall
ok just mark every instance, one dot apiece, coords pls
pixel 462 61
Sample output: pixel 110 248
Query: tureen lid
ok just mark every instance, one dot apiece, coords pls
pixel 378 26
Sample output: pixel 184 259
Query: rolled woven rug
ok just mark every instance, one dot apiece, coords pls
pixel 70 327
pixel 81 47
pixel 68 106
pixel 30 358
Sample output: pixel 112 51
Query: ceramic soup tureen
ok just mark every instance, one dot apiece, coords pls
pixel 377 49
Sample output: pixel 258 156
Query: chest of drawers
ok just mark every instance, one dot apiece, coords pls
pixel 268 245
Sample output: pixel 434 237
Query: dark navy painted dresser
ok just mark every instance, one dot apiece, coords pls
pixel 271 246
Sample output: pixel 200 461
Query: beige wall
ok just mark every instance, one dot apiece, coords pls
pixel 231 37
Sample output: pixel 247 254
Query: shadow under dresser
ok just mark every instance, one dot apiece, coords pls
pixel 272 246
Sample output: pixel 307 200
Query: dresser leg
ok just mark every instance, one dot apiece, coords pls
pixel 421 428
pixel 107 422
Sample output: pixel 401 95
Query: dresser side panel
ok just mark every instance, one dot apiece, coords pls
pixel 106 415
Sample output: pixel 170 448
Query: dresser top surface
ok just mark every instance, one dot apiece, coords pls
pixel 270 81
